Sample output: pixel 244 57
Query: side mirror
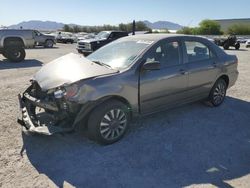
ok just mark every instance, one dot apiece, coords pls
pixel 152 65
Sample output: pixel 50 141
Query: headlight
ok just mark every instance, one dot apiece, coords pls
pixel 67 92
pixel 59 94
pixel 88 45
pixel 71 91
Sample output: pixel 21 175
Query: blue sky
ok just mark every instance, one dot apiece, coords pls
pixel 98 12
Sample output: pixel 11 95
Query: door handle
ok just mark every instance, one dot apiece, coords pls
pixel 183 71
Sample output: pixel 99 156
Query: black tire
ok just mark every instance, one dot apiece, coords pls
pixel 237 46
pixel 226 46
pixel 108 122
pixel 49 44
pixel 218 93
pixel 15 54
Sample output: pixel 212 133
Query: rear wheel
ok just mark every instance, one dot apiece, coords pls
pixel 15 54
pixel 108 122
pixel 237 46
pixel 218 92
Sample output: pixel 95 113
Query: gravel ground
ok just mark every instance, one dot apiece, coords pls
pixel 192 146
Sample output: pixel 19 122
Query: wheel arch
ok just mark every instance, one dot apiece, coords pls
pixel 225 78
pixel 113 97
pixel 83 114
pixel 11 40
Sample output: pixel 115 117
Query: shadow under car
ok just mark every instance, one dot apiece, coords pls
pixel 193 144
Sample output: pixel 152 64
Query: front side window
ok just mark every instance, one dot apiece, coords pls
pixel 167 53
pixel 36 33
pixel 197 51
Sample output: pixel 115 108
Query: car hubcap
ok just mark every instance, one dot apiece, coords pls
pixel 113 124
pixel 16 54
pixel 219 93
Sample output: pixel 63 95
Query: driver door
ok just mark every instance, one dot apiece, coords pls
pixel 38 37
pixel 166 87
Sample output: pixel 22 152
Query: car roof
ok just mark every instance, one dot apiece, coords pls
pixel 156 37
pixel 114 31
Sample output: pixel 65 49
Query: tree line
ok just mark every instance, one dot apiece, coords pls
pixel 206 27
pixel 211 27
pixel 139 26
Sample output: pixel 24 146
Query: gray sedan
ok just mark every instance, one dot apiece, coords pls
pixel 133 76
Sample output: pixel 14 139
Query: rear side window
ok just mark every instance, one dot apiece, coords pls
pixel 197 51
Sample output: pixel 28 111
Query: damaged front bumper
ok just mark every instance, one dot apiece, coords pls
pixel 30 122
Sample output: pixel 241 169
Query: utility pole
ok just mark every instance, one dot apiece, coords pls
pixel 133 28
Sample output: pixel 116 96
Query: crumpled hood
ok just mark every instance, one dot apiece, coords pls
pixel 92 40
pixel 68 69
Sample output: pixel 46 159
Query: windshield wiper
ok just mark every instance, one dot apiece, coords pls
pixel 102 64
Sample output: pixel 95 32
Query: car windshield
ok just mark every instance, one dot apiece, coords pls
pixel 119 54
pixel 103 34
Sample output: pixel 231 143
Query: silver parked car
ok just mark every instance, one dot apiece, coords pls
pixel 248 43
pixel 135 75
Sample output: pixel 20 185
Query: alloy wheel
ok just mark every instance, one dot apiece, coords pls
pixel 219 93
pixel 113 124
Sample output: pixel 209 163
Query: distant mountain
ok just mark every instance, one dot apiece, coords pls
pixel 52 26
pixel 163 25
pixel 39 25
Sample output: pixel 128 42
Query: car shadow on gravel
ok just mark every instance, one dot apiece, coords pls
pixel 42 48
pixel 5 64
pixel 190 145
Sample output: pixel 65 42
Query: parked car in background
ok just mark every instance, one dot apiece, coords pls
pixel 85 36
pixel 248 43
pixel 64 37
pixel 135 75
pixel 242 40
pixel 88 46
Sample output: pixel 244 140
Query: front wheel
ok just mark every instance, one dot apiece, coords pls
pixel 108 122
pixel 49 44
pixel 218 92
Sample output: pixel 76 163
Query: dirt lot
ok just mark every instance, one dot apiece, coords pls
pixel 192 146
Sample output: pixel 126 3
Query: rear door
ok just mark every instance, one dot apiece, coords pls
pixel 160 89
pixel 201 66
